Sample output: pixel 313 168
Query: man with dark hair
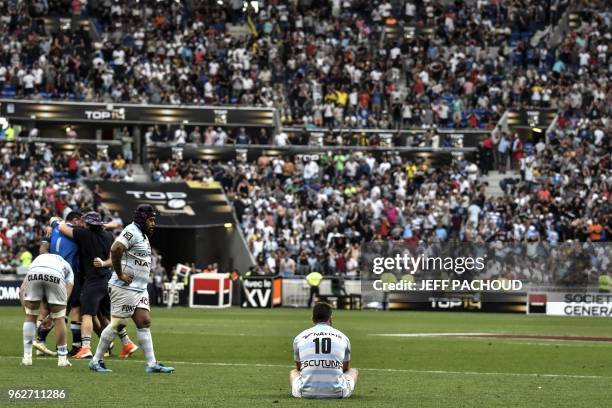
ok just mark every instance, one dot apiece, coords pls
pixel 130 257
pixel 322 356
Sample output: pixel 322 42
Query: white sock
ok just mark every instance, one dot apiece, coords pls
pixel 86 341
pixel 29 331
pixel 146 344
pixel 123 335
pixel 62 351
pixel 106 337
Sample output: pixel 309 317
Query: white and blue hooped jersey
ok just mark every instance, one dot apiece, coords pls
pixel 136 261
pixel 321 351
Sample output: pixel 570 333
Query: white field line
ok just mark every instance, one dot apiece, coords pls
pixel 391 370
pixel 550 343
pixel 431 334
pixel 498 338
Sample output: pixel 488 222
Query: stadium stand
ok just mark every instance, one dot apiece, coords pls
pixel 459 65
pixel 324 68
pixel 36 185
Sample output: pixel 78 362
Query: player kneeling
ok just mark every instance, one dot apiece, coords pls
pixel 50 277
pixel 131 261
pixel 322 355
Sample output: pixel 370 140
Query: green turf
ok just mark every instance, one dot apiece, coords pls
pixel 421 372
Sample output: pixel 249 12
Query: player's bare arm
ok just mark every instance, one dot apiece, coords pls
pixel 117 251
pixel 64 228
pixel 112 225
pixel 99 263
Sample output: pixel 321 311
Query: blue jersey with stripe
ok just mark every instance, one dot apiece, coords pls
pixel 321 351
pixel 66 248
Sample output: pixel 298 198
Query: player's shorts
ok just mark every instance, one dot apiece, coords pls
pixel 94 297
pixel 43 283
pixel 124 302
pixel 346 381
pixel 75 296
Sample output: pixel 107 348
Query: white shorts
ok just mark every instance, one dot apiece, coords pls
pixel 348 385
pixel 41 283
pixel 124 301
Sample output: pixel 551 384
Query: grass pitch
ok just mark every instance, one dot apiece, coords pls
pixel 241 358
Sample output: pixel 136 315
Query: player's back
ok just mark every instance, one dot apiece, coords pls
pixel 321 350
pixel 54 265
pixel 65 247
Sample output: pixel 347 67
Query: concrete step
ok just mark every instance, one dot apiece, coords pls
pixel 139 173
pixel 493 178
pixel 236 30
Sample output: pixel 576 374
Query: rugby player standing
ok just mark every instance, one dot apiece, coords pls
pixel 130 257
pixel 322 355
pixel 50 277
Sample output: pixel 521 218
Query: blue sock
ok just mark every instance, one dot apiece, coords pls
pixel 42 333
pixel 75 328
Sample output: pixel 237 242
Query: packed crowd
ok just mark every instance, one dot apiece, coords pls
pixel 322 64
pixel 328 66
pixel 302 216
pixel 35 185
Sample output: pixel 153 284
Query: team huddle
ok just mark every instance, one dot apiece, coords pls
pixel 103 283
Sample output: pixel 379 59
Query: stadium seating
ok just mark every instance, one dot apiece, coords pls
pixel 333 68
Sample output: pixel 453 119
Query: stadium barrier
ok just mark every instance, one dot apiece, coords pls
pixel 397 137
pixel 570 304
pixel 243 153
pixel 262 292
pixel 9 292
pixel 121 113
pixel 210 290
pixel 494 302
pixel 296 291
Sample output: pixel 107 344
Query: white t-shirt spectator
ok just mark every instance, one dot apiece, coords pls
pixel 38 76
pixel 180 136
pixel 281 139
pixel 213 68
pixel 410 9
pixel 311 170
pixel 220 138
pixel 119 56
pixel 28 81
pixel 584 58
pixel 208 90
pixel 474 212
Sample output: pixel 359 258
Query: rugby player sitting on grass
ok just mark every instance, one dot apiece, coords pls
pixel 322 355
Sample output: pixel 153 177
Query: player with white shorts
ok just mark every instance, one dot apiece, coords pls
pixel 124 301
pixel 131 262
pixel 322 356
pixel 51 278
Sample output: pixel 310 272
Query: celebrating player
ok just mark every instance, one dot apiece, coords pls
pixel 322 355
pixel 50 277
pixel 130 257
pixel 93 241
